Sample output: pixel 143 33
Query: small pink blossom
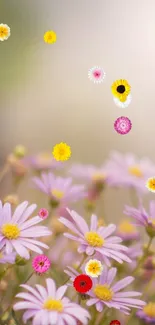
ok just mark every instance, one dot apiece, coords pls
pixel 122 125
pixel 43 213
pixel 41 264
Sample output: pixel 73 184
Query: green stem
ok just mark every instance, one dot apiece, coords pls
pixel 77 269
pixel 101 317
pixel 144 256
pixel 28 278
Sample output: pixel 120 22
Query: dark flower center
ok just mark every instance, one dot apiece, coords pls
pixel 121 89
pixel 41 263
pixel 82 283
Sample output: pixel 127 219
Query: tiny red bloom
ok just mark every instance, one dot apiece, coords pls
pixel 43 213
pixel 115 322
pixel 82 283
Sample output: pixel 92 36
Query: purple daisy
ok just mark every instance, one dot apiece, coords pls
pixel 17 233
pixel 96 239
pixel 148 313
pixel 122 125
pixel 49 306
pixel 42 161
pixel 7 258
pixel 103 293
pixel 127 231
pixel 60 190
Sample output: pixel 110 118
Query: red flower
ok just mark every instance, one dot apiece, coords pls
pixel 82 283
pixel 115 322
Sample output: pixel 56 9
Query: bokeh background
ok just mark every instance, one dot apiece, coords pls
pixel 46 96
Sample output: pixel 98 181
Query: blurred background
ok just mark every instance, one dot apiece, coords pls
pixel 45 94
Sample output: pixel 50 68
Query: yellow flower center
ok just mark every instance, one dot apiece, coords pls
pixel 51 304
pixel 152 220
pixel 151 184
pixel 10 231
pixel 135 171
pixel 1 255
pixel 101 223
pixel 98 177
pixel 57 194
pixel 126 227
pixel 103 292
pixel 94 239
pixel 44 157
pixel 149 309
pixel 4 31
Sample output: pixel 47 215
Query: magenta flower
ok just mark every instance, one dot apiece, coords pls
pixel 128 171
pixel 95 239
pixel 60 190
pixel 43 213
pixel 17 233
pixel 7 258
pixel 42 161
pixel 41 264
pixel 104 293
pixel 49 306
pixel 123 125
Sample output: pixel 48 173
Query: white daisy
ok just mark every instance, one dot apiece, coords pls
pixel 123 104
pixel 96 74
pixel 4 32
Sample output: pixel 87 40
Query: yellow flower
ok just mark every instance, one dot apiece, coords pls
pixel 120 89
pixel 151 184
pixel 94 268
pixel 61 151
pixel 50 37
pixel 4 32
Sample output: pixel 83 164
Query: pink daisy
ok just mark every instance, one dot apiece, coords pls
pixel 104 293
pixel 42 161
pixel 7 258
pixel 17 233
pixel 96 74
pixel 41 264
pixel 95 239
pixel 60 190
pixel 49 306
pixel 122 125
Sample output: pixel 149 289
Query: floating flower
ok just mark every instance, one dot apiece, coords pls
pixel 41 264
pixel 95 240
pixel 104 293
pixel 93 268
pixel 122 125
pixel 50 306
pixel 17 233
pixel 127 231
pixel 60 190
pixel 42 161
pixel 82 283
pixel 148 313
pixel 123 104
pixel 115 322
pixel 96 74
pixel 61 151
pixel 43 213
pixel 50 37
pixel 121 89
pixel 150 184
pixel 4 32
pixel 7 258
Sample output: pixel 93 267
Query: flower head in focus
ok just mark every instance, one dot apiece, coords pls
pixel 48 305
pixel 148 313
pixel 82 283
pixel 42 162
pixel 17 231
pixel 94 240
pixel 104 293
pixel 93 268
pixel 96 74
pixel 122 125
pixel 7 258
pixel 127 231
pixel 121 89
pixel 60 190
pixel 50 37
pixel 150 184
pixel 61 151
pixel 41 264
pixel 43 213
pixel 4 32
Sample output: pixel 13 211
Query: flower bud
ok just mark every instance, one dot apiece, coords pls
pixel 19 151
pixel 12 199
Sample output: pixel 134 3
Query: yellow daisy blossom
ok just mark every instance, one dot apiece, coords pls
pixel 150 184
pixel 93 268
pixel 61 151
pixel 50 37
pixel 4 32
pixel 121 89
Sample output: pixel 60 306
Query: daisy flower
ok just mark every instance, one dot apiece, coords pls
pixel 122 125
pixel 17 233
pixel 82 283
pixel 60 190
pixel 94 268
pixel 121 89
pixel 128 171
pixel 41 264
pixel 96 74
pixel 104 293
pixel 95 239
pixel 150 184
pixel 148 313
pixel 7 258
pixel 123 104
pixel 49 306
pixel 4 32
pixel 42 161
pixel 61 151
pixel 115 322
pixel 142 218
pixel 127 231
pixel 43 213
pixel 50 37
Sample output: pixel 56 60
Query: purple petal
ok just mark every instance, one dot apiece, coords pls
pixel 19 211
pixel 79 221
pixel 93 226
pixel 60 292
pixel 111 275
pixel 51 288
pixel 122 283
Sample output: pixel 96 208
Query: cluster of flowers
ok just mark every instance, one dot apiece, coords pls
pixel 99 262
